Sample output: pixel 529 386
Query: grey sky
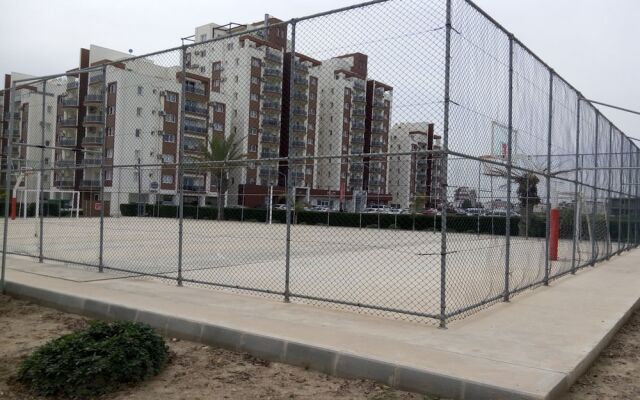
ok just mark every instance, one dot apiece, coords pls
pixel 592 43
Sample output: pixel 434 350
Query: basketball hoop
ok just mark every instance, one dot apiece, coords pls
pixel 490 168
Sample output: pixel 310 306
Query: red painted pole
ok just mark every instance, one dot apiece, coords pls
pixel 13 207
pixel 554 234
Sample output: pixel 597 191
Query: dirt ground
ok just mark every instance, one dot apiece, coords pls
pixel 202 372
pixel 616 373
pixel 194 371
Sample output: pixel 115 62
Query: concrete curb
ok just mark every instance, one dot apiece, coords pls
pixel 326 360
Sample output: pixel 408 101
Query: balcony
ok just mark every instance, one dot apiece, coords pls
pixel 92 140
pixel 65 163
pixel 301 67
pixel 422 161
pixel 378 117
pixel 72 85
pixel 268 154
pixel 421 174
pixel 195 129
pixel 63 184
pixel 7 116
pixel 96 79
pixel 274 89
pixel 194 187
pixel 191 108
pixel 92 162
pixel 68 122
pixel 356 150
pixel 375 170
pixel 300 112
pixel 358 111
pixel 70 102
pixel 270 138
pixel 94 119
pixel 195 90
pixel 355 182
pixel 66 141
pixel 357 167
pixel 378 130
pixel 271 105
pixel 299 144
pixel 359 99
pixel 376 182
pixel 298 80
pixel 357 127
pixel 272 72
pixel 297 175
pixel 270 122
pixel 297 96
pixel 358 85
pixel 273 57
pixel 377 142
pixel 94 98
pixel 357 139
pixel 298 128
pixel 268 172
pixel 90 183
pixel 378 104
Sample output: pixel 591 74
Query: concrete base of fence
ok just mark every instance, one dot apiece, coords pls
pixel 532 348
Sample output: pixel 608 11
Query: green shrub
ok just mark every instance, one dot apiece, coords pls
pixel 94 361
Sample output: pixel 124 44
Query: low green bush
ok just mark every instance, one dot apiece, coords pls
pixel 94 361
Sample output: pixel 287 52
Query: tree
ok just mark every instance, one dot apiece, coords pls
pixel 220 150
pixel 528 197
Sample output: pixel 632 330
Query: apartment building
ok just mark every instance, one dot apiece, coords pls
pixel 414 179
pixel 27 129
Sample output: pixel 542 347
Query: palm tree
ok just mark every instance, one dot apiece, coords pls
pixel 219 150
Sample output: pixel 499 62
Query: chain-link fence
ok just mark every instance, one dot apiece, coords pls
pixel 404 158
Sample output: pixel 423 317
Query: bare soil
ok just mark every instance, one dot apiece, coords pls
pixel 194 371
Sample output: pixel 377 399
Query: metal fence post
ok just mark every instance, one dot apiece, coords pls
pixel 576 219
pixel 507 257
pixel 443 171
pixel 180 164
pixel 635 200
pixel 609 195
pixel 7 185
pixel 547 263
pixel 102 171
pixel 594 211
pixel 40 184
pixel 629 202
pixel 288 183
pixel 620 191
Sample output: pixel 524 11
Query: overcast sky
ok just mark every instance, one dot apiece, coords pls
pixel 592 43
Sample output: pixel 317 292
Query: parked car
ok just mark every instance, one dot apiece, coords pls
pixel 473 212
pixel 430 212
pixel 280 207
pixel 318 209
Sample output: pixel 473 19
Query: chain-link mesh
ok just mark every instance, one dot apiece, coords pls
pixel 409 159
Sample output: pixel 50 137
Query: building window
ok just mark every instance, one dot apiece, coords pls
pixel 139 90
pixel 218 108
pixel 167 158
pixel 203 53
pixel 112 88
pixel 167 138
pixel 108 175
pixel 253 148
pixel 312 96
pixel 137 132
pixel 218 127
pixel 216 83
pixel 237 61
pixel 235 96
pixel 167 179
pixel 235 78
pixel 230 46
pixel 111 110
pixel 253 131
pixel 217 66
pixel 254 97
pixel 255 80
pixel 170 118
pixel 109 131
pixel 109 153
pixel 255 62
pixel 139 112
pixel 172 97
pixel 235 113
pixel 49 109
pixel 203 37
pixel 253 114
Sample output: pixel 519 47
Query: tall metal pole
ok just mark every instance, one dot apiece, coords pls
pixel 180 164
pixel 594 211
pixel 443 171
pixel 620 200
pixel 507 257
pixel 635 200
pixel 102 171
pixel 629 202
pixel 290 196
pixel 7 186
pixel 576 219
pixel 40 185
pixel 547 264
pixel 609 195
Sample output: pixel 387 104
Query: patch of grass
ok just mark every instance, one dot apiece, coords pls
pixel 94 361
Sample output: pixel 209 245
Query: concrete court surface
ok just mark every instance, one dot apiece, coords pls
pixel 393 269
pixel 534 347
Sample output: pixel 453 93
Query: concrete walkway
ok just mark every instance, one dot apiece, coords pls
pixel 532 348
